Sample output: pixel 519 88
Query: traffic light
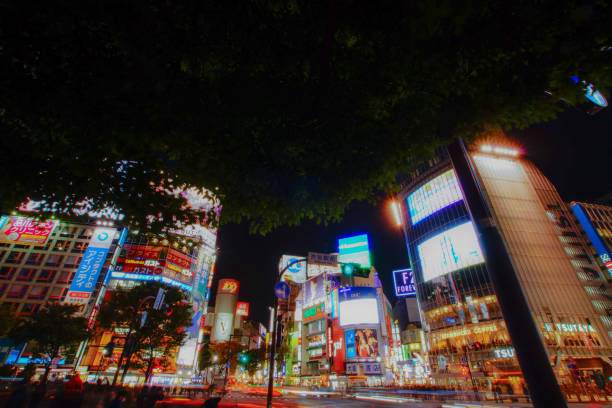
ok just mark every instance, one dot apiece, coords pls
pixel 108 349
pixel 354 269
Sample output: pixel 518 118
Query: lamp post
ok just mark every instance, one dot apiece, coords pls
pixel 273 336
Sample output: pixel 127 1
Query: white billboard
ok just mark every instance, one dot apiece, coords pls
pixel 451 250
pixel 359 311
pixel 296 272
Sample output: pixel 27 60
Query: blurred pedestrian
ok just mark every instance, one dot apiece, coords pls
pixel 117 402
pixel 19 396
pixel 38 393
pixel 73 392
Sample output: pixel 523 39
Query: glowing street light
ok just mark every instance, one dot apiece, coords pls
pixel 395 209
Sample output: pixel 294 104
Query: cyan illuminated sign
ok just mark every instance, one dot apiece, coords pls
pixel 355 249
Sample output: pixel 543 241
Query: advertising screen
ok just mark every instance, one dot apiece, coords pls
pixel 358 311
pixel 355 249
pixel 314 291
pixel 155 260
pixel 89 269
pixel 433 196
pixel 451 250
pixel 366 343
pixel 25 231
pixel 296 272
pixel 404 282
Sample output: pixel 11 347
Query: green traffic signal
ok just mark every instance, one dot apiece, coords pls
pixel 244 358
pixel 348 269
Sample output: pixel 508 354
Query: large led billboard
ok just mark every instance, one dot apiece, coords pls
pixel 355 249
pixel 358 305
pixel 433 196
pixel 451 250
pixel 25 231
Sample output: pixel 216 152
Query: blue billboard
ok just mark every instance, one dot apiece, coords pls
pixel 404 282
pixel 355 249
pixel 86 276
pixel 598 243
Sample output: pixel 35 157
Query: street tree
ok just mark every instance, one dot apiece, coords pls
pixel 285 110
pixel 52 330
pixel 8 319
pixel 157 341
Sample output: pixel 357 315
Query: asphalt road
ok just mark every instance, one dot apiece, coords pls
pixel 241 400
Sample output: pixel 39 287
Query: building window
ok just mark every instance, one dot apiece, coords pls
pixel 85 233
pixel 34 259
pixel 16 291
pixel 29 308
pixel 3 287
pixel 68 232
pixel 46 275
pixel 26 274
pixel 38 292
pixel 61 245
pixel 64 277
pixel 79 247
pixel 54 260
pixel 7 272
pixel 2 253
pixel 57 292
pixel 15 257
pixel 72 261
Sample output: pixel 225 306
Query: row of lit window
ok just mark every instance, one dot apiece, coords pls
pixel 27 275
pixel 18 291
pixel 36 259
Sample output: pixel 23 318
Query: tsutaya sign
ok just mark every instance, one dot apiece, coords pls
pixel 570 328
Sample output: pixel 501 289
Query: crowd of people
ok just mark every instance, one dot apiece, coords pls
pixel 76 394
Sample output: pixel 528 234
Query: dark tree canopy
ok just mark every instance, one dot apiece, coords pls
pixel 285 110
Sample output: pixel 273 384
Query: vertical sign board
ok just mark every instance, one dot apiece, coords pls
pixel 355 249
pixel 87 275
pixel 598 243
pixel 404 282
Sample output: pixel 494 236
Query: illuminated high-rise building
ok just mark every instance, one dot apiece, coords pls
pixel 469 344
pixel 54 261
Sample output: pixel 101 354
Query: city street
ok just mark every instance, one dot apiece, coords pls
pixel 237 400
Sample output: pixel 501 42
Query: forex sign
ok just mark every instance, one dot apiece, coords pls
pixel 25 231
pixel 404 282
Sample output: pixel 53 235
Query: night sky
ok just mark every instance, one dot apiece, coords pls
pixel 572 151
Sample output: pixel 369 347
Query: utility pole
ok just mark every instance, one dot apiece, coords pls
pixel 273 337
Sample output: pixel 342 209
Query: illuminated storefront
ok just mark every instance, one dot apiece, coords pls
pixel 464 328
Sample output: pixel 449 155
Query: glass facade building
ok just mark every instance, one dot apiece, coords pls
pixel 468 343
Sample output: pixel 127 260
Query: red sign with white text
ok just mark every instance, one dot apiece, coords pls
pixel 242 309
pixel 25 231
pixel 338 347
